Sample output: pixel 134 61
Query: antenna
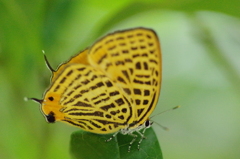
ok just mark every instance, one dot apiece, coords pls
pixel 163 127
pixel 165 111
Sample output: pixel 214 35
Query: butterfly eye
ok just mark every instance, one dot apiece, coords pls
pixel 50 117
pixel 148 124
pixel 51 98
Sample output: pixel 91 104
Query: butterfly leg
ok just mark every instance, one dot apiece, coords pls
pixel 147 125
pixel 133 140
pixel 113 136
pixel 142 137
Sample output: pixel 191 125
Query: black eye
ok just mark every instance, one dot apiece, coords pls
pixel 147 124
pixel 51 98
pixel 50 117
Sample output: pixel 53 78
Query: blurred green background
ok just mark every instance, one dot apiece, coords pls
pixel 200 42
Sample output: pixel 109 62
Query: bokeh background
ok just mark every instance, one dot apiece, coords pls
pixel 200 42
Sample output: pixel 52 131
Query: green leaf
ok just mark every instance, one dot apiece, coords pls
pixel 88 145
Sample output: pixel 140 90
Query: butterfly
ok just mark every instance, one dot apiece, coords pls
pixel 111 87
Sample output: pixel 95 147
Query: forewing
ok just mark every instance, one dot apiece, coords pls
pixel 132 60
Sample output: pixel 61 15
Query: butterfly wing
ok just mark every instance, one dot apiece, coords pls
pixel 87 98
pixel 132 60
pixel 80 58
pixel 111 85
